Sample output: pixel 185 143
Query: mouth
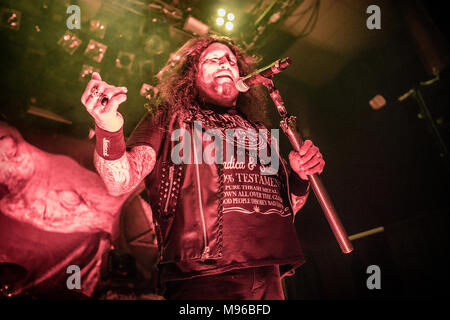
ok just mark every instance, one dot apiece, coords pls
pixel 224 75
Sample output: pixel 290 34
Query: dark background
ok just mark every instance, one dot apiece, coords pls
pixel 383 167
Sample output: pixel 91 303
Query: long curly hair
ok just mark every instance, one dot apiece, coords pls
pixel 177 89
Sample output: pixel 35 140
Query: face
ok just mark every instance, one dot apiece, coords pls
pixel 217 73
pixel 51 192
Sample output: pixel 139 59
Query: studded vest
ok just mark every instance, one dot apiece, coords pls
pixel 188 209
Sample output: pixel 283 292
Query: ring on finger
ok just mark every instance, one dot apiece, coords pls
pixel 95 93
pixel 104 101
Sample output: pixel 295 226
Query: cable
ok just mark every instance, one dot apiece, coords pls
pixel 312 21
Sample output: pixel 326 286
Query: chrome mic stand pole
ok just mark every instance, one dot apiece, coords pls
pixel 288 125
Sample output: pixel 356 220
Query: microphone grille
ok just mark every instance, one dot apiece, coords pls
pixel 241 86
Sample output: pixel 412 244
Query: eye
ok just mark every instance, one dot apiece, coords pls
pixel 212 60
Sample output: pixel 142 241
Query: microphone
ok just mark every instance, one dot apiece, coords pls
pixel 244 83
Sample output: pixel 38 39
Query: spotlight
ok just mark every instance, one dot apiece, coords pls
pixel 86 72
pixel 148 91
pixel 229 25
pixel 10 18
pixel 95 50
pixel 124 60
pixel 147 68
pixel 97 28
pixel 154 44
pixel 195 26
pixel 224 19
pixel 69 42
pixel 220 21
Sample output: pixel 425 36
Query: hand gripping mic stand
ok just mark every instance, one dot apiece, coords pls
pixel 288 125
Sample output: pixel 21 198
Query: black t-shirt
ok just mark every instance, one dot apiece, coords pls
pixel 258 227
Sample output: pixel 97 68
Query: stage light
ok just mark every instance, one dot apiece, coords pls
pixel 86 72
pixel 95 50
pixel 147 68
pixel 97 28
pixel 154 44
pixel 195 26
pixel 69 42
pixel 148 91
pixel 220 21
pixel 125 60
pixel 224 19
pixel 10 18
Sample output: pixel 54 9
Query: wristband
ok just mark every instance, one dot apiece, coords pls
pixel 110 145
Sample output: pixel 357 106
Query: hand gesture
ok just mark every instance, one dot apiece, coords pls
pixel 102 101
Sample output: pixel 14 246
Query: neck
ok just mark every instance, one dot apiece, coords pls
pixel 217 108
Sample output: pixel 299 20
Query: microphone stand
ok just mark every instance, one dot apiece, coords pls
pixel 288 125
pixel 425 113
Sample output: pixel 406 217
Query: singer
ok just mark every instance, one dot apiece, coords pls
pixel 225 230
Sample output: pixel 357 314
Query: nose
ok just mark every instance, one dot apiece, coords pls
pixel 223 61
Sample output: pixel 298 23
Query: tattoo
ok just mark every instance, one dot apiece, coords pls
pixel 126 173
pixel 298 202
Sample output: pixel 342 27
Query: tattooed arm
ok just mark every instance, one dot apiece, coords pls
pixel 126 173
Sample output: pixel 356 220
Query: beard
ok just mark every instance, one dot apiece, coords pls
pixel 226 89
pixel 221 92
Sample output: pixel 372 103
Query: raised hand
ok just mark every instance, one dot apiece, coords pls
pixel 102 101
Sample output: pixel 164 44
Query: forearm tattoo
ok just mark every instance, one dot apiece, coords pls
pixel 126 173
pixel 298 202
